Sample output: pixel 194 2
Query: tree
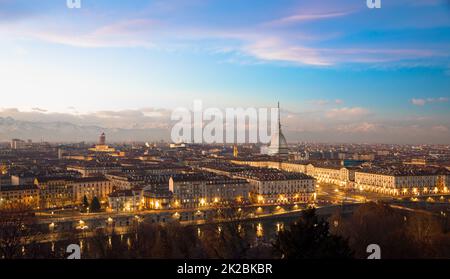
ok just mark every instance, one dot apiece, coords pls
pixel 85 204
pixel 310 238
pixel 95 205
pixel 17 223
pixel 380 224
pixel 150 241
pixel 400 233
pixel 225 241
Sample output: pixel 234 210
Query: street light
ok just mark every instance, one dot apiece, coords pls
pixel 260 199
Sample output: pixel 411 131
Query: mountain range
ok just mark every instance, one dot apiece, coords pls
pixel 60 131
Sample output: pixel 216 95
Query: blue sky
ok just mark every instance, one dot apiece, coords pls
pixel 374 73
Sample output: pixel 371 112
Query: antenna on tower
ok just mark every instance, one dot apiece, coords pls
pixel 279 116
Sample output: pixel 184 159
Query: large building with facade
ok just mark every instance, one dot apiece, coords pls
pixel 19 194
pixel 199 189
pixel 91 187
pixel 271 186
pixel 405 181
pixel 125 200
pixel 55 191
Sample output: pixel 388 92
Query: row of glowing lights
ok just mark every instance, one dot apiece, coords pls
pixel 414 190
pixel 259 229
pixel 82 224
pixel 203 201
pixel 260 198
pixel 157 205
pixel 110 220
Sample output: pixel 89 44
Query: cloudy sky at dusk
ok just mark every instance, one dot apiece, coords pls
pixel 342 72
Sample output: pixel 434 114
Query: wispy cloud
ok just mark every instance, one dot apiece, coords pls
pixel 324 102
pixel 123 34
pixel 347 112
pixel 424 101
pixel 275 40
pixel 302 17
pixel 273 49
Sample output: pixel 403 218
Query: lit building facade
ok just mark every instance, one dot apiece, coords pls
pixel 91 187
pixel 332 174
pixel 19 194
pixel 196 190
pixel 402 183
pixel 125 200
pixel 157 199
pixel 270 186
pixel 54 191
pixel 101 146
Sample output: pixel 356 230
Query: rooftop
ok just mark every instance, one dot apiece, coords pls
pixel 405 170
pixel 89 179
pixel 266 174
pixel 210 178
pixel 9 188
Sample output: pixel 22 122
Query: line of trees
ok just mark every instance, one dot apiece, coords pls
pixel 93 206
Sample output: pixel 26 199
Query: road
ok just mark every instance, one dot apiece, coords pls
pixel 333 194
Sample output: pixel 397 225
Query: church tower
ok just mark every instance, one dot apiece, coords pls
pixel 102 140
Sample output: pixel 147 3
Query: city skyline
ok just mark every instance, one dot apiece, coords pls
pixel 342 72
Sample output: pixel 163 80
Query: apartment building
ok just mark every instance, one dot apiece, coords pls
pixel 405 181
pixel 275 186
pixel 91 187
pixel 19 194
pixel 201 189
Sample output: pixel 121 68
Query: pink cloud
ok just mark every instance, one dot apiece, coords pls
pixel 364 127
pixel 440 128
pixel 422 102
pixel 337 113
pixel 127 27
pixel 301 17
pixel 418 102
pixel 274 49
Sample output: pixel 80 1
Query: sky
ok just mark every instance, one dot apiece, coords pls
pixel 341 71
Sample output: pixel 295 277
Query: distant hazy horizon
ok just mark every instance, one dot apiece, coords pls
pixel 61 128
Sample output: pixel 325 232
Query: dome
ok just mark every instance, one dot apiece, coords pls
pixel 278 144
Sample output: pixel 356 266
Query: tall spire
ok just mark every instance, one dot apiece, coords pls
pixel 279 116
pixel 278 145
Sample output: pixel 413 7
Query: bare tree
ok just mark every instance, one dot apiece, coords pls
pixel 17 223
